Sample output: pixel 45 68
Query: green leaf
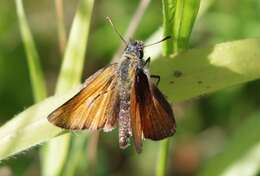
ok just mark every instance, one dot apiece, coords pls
pixel 178 20
pixel 73 63
pixel 55 152
pixel 35 70
pixel 31 126
pixel 202 71
pixel 185 15
pixel 168 18
pixel 241 154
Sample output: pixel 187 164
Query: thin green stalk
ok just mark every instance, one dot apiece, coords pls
pixel 168 16
pixel 184 18
pixel 178 20
pixel 163 157
pixel 35 70
pixel 56 150
pixel 78 155
pixel 62 41
pixel 60 25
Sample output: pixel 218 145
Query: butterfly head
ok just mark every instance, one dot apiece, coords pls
pixel 135 47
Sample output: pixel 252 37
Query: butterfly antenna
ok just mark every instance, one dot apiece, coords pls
pixel 165 38
pixel 115 29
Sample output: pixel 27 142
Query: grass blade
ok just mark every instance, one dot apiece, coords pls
pixel 55 152
pixel 72 66
pixel 31 127
pixel 35 70
pixel 178 20
pixel 184 17
pixel 77 155
pixel 60 25
pixel 168 17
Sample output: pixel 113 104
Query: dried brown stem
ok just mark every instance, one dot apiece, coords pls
pixel 61 27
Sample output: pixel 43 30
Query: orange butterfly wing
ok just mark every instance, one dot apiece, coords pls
pixel 136 120
pixel 94 107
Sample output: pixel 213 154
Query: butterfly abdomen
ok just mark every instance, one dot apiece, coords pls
pixel 126 72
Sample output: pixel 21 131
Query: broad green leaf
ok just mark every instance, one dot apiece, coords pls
pixel 31 126
pixel 55 152
pixel 190 74
pixel 197 72
pixel 241 155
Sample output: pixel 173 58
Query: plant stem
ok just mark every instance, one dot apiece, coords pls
pixel 163 157
pixel 168 16
pixel 56 151
pixel 184 18
pixel 178 20
pixel 132 27
pixel 92 152
pixel 61 26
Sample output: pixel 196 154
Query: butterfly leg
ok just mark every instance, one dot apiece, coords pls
pixel 156 77
pixel 147 61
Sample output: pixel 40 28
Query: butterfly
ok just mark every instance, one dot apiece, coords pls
pixel 120 94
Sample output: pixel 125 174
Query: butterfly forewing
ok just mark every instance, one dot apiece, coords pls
pixel 94 107
pixel 136 118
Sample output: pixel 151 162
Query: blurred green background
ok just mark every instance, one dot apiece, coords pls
pixel 204 124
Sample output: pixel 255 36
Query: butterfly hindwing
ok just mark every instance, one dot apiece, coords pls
pixel 141 101
pixel 94 107
pixel 149 107
pixel 160 122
